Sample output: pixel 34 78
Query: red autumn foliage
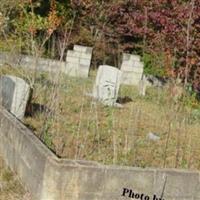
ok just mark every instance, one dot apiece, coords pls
pixel 172 27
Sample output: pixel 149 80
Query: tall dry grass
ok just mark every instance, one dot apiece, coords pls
pixel 10 186
pixel 77 127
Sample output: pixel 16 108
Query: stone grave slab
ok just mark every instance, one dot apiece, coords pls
pixel 14 94
pixel 78 61
pixel 132 69
pixel 107 85
pixel 142 87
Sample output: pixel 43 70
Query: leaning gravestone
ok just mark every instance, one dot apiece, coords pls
pixel 142 87
pixel 132 69
pixel 107 85
pixel 14 94
pixel 78 61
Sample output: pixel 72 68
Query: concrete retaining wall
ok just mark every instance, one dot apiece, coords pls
pixel 50 178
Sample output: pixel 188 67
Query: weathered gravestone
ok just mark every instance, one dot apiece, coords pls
pixel 14 94
pixel 78 61
pixel 142 87
pixel 107 85
pixel 132 69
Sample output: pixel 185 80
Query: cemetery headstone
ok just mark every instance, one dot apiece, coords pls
pixel 107 85
pixel 142 87
pixel 14 94
pixel 132 69
pixel 78 61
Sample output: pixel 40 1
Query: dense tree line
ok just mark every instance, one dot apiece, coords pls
pixel 165 33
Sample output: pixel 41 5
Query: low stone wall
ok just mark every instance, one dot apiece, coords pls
pixel 30 62
pixel 132 69
pixel 50 178
pixel 77 62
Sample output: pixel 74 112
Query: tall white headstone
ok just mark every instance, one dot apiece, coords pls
pixel 14 94
pixel 78 61
pixel 132 69
pixel 107 85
